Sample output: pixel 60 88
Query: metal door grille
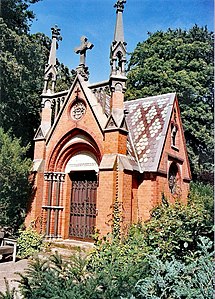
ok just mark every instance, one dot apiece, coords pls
pixel 83 205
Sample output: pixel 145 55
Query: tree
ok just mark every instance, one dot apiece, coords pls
pixel 65 77
pixel 14 184
pixel 180 61
pixel 22 66
pixel 16 14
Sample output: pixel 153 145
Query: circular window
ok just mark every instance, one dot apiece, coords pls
pixel 78 110
pixel 173 174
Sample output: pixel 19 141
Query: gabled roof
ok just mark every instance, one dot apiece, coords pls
pixel 91 99
pixel 147 120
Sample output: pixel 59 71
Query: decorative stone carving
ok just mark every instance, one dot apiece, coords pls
pixel 78 110
pixel 82 69
pixel 54 176
pixel 120 4
pixel 56 33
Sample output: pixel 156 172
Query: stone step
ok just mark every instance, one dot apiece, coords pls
pixel 68 247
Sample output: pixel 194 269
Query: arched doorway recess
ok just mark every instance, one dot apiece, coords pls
pixel 82 169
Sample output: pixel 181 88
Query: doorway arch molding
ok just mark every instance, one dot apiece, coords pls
pixel 75 141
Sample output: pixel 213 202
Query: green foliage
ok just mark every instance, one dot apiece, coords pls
pixel 176 228
pixel 140 264
pixel 29 243
pixel 118 277
pixel 17 15
pixel 22 69
pixel 9 293
pixel 22 65
pixel 180 61
pixel 64 77
pixel 174 279
pixel 203 195
pixel 14 184
pixel 55 278
pixel 116 220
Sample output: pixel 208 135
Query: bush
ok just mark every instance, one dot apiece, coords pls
pixel 175 279
pixel 29 243
pixel 15 187
pixel 116 277
pixel 170 256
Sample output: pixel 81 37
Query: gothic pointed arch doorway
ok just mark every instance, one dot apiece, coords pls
pixel 82 169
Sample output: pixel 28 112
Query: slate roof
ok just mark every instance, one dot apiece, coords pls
pixel 147 120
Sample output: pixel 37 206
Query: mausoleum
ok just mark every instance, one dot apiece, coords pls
pixel 93 149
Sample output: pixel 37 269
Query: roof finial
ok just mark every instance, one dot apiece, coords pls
pixel 56 32
pixel 120 5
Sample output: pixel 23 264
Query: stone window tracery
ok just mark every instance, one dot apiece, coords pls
pixel 78 110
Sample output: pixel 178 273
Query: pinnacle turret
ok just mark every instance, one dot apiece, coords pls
pixel 50 70
pixel 118 52
pixel 118 47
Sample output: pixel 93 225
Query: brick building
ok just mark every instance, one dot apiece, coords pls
pixel 93 148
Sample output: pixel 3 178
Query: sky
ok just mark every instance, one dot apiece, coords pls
pixel 96 19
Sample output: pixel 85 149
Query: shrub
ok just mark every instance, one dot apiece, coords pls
pixel 115 277
pixel 170 256
pixel 15 187
pixel 9 293
pixel 29 243
pixel 175 279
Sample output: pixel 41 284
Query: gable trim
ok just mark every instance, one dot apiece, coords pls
pixel 78 82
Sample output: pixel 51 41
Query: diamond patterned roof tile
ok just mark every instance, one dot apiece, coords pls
pixel 147 121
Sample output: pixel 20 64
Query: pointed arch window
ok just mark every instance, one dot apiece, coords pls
pixel 173 178
pixel 119 61
pixel 174 131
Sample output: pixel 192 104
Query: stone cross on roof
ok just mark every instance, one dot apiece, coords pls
pixel 82 49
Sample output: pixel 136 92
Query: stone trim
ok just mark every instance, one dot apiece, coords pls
pixel 54 176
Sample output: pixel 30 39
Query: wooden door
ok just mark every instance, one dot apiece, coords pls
pixel 83 204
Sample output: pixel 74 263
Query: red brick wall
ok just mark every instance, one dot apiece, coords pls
pixel 147 196
pixel 106 195
pixel 39 149
pixel 125 195
pixel 177 154
pixel 35 203
pixel 66 124
pixel 115 142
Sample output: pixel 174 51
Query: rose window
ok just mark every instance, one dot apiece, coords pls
pixel 78 110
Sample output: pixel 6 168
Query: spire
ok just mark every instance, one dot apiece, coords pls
pixel 50 70
pixel 119 32
pixel 55 37
pixel 118 47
